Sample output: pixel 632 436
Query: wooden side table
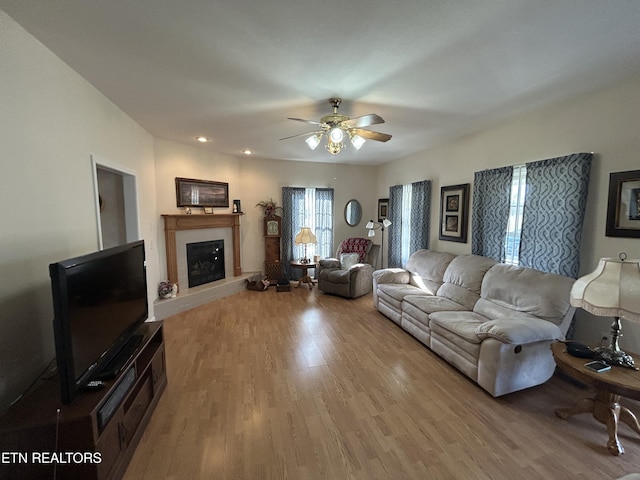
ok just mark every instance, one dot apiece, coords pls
pixel 305 275
pixel 609 386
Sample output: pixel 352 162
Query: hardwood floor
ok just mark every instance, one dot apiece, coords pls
pixel 303 385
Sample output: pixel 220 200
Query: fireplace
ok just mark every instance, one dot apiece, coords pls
pixel 205 262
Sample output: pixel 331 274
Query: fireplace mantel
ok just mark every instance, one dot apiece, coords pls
pixel 175 222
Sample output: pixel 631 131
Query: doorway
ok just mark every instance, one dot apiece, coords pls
pixel 116 204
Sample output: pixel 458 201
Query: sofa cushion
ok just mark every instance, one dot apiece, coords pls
pixel 398 291
pixel 361 246
pixel 463 279
pixel 428 304
pixel 337 275
pixel 519 330
pixel 461 324
pixel 427 269
pixel 525 290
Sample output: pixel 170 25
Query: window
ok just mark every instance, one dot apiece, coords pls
pixel 516 208
pixel 306 207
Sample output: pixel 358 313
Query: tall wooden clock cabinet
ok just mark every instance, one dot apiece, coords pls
pixel 272 236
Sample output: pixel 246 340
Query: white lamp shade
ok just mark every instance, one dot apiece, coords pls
pixel 313 141
pixel 611 290
pixel 336 135
pixel 357 141
pixel 369 224
pixel 386 222
pixel 305 235
pixel 372 233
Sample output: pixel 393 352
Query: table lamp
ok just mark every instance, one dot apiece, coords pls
pixel 305 236
pixel 611 290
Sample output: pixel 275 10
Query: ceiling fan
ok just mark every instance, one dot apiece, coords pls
pixel 336 126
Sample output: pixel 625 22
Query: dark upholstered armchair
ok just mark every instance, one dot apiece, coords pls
pixel 350 273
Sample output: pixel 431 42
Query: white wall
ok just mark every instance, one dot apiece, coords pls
pixel 52 122
pixel 252 180
pixel 606 123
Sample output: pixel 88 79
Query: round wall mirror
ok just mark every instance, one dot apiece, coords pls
pixel 352 212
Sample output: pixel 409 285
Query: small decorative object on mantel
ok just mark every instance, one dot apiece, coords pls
pixel 270 207
pixel 187 210
pixel 208 210
pixel 236 206
pixel 167 289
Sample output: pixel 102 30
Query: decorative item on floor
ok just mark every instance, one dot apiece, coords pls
pixel 257 282
pixel 623 210
pixel 270 207
pixel 304 237
pixel 611 290
pixel 167 289
pixel 454 208
pixel 373 226
pixel 201 193
pixel 283 285
pixel 236 206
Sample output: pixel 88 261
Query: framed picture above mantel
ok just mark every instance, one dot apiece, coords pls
pixel 201 193
pixel 623 210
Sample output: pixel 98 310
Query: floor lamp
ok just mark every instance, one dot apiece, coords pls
pixel 373 226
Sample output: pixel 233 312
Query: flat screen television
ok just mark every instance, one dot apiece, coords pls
pixel 99 301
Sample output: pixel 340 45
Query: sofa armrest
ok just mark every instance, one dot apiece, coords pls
pixel 391 275
pixel 519 331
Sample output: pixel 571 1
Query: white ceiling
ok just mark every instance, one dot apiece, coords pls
pixel 235 70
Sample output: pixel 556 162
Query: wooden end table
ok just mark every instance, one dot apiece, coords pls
pixel 305 275
pixel 609 386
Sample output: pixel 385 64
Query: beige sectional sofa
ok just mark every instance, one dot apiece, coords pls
pixel 494 322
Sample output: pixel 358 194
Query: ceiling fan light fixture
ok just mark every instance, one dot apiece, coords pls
pixel 333 148
pixel 336 135
pixel 313 141
pixel 357 141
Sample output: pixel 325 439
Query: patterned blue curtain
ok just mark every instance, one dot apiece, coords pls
pixel 554 206
pixel 292 222
pixel 490 213
pixel 394 253
pixel 409 208
pixel 324 222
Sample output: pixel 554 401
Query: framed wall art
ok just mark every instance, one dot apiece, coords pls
pixel 454 211
pixel 201 193
pixel 623 210
pixel 383 209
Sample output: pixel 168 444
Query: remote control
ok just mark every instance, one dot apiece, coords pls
pixel 95 385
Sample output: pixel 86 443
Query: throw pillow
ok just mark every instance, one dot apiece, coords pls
pixel 348 260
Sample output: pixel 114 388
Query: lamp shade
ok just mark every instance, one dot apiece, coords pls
pixel 611 290
pixel 304 236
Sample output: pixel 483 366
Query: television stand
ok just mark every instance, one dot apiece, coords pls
pixel 120 359
pixel 95 436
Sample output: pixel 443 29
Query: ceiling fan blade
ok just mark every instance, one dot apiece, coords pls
pixel 302 135
pixel 303 120
pixel 368 134
pixel 363 121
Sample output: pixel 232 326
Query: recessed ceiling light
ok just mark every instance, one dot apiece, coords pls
pixel 247 151
pixel 202 139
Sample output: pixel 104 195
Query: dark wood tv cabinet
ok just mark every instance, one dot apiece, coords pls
pixel 97 432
